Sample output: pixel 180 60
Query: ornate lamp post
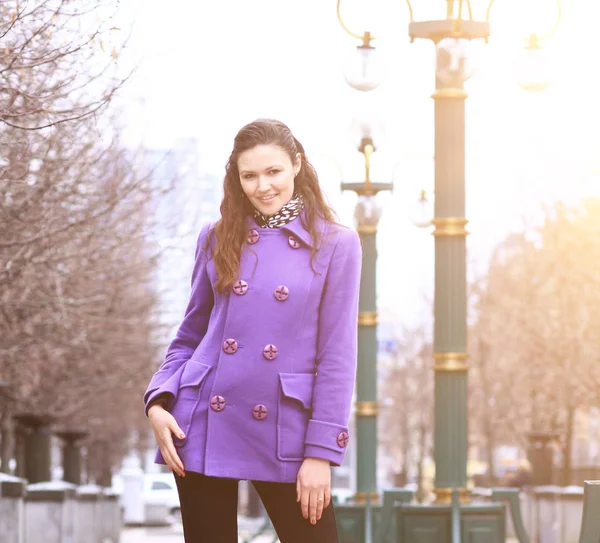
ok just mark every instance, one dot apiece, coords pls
pixel 367 214
pixel 452 37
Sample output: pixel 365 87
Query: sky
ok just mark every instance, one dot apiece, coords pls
pixel 204 69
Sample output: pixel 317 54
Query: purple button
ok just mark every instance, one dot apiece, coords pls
pixel 217 403
pixel 253 236
pixel 270 352
pixel 230 346
pixel 240 288
pixel 259 412
pixel 282 293
pixel 294 243
pixel 342 439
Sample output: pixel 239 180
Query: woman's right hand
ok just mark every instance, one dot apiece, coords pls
pixel 164 424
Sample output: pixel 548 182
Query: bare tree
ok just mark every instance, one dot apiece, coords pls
pixel 535 348
pixel 77 269
pixel 408 397
pixel 56 60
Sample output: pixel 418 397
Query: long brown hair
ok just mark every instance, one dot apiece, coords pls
pixel 231 230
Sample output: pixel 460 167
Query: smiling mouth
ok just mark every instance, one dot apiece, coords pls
pixel 267 198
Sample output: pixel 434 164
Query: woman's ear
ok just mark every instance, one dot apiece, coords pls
pixel 298 164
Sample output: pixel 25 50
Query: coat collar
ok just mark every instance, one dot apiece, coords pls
pixel 294 227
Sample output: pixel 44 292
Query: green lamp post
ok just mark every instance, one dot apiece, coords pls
pixel 351 518
pixel 367 214
pixel 453 37
pixel 441 521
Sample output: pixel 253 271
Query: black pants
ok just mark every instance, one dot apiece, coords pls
pixel 209 511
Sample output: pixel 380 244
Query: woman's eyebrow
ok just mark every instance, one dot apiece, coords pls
pixel 267 168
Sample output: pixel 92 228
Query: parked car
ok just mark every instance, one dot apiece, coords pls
pixel 161 498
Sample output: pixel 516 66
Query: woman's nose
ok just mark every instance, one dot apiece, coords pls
pixel 263 183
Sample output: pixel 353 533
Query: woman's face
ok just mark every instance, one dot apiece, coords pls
pixel 267 177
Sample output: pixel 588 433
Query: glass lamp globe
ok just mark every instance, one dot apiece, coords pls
pixel 363 69
pixel 367 211
pixel 532 68
pixel 453 61
pixel 421 212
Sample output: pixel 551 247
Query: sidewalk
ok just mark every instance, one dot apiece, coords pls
pixel 174 533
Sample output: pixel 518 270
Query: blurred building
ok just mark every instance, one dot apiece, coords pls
pixel 189 197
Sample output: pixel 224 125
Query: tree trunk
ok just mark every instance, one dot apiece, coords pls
pixel 568 448
pixel 488 427
pixel 406 441
pixel 5 441
pixel 421 493
pixel 490 446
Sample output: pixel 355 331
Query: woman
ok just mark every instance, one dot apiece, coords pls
pixel 257 383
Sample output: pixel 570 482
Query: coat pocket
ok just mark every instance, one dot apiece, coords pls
pixel 188 396
pixel 293 414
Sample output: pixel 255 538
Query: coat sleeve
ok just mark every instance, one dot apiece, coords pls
pixel 165 382
pixel 327 432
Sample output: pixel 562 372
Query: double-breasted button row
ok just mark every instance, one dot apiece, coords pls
pixel 259 412
pixel 254 236
pixel 281 293
pixel 230 346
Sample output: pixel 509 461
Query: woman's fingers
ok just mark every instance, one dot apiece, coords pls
pixel 304 497
pixel 170 454
pixel 320 504
pixel 175 429
pixel 313 502
pixel 165 425
pixel 176 460
pixel 170 462
pixel 313 506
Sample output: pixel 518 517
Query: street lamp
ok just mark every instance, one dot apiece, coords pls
pixel 367 214
pixel 533 68
pixel 363 70
pixel 452 37
pixel 421 213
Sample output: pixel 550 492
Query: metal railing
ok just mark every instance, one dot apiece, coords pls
pixel 511 497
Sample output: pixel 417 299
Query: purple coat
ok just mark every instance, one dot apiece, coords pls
pixel 263 377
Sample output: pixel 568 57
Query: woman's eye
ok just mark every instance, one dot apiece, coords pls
pixel 248 176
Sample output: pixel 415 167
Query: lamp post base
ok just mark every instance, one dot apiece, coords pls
pixel 444 495
pixel 421 523
pixel 410 523
pixel 351 522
